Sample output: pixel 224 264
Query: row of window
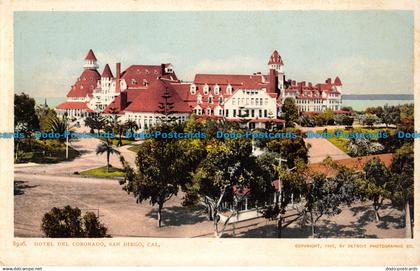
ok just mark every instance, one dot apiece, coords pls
pixel 249 101
pixel 235 113
pixel 302 101
pixel 209 99
pixel 206 89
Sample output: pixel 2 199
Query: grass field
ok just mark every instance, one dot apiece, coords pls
pixel 341 142
pixel 102 172
pixel 134 148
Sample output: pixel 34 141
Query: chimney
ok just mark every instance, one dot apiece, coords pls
pixel 310 85
pixel 117 78
pixel 162 69
pixel 272 78
pixel 123 100
pixel 328 81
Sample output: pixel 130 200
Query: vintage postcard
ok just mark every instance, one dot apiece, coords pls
pixel 209 133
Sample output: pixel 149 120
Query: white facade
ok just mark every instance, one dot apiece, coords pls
pixel 250 104
pixel 146 120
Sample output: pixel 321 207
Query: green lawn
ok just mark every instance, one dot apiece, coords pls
pixel 134 148
pixel 101 172
pixel 123 141
pixel 53 152
pixel 341 142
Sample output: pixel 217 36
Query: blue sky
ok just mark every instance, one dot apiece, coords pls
pixel 371 51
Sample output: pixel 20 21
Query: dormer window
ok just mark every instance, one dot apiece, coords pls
pixel 193 89
pixel 210 99
pixel 199 101
pixel 147 71
pixel 220 100
pixel 145 83
pixel 208 111
pixel 133 82
pixel 206 89
pixel 216 89
pixel 229 89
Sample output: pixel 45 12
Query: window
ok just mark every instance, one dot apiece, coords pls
pixel 229 89
pixel 265 101
pixel 260 113
pixel 133 82
pixel 233 101
pixel 208 111
pixel 206 89
pixel 193 89
pixel 199 101
pixel 234 112
pixel 252 113
pixel 227 113
pixel 220 100
pixel 216 89
pixel 210 99
pixel 265 113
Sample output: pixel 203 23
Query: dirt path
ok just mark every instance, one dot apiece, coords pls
pixel 321 148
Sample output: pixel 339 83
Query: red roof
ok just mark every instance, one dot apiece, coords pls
pixel 337 81
pixel 116 104
pixel 107 72
pixel 90 55
pixel 243 81
pixel 275 58
pixel 136 76
pixel 150 99
pixel 74 105
pixel 85 84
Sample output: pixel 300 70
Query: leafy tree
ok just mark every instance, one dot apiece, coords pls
pixel 375 185
pixel 228 174
pixel 95 122
pixel 108 148
pixel 324 196
pixel 307 121
pixel 363 146
pixel 401 185
pixel 25 119
pixel 370 119
pixel 290 110
pixel 68 223
pixel 93 228
pixel 162 168
pixel 390 115
pixel 348 121
pixel 291 149
pixel 292 183
pixel 25 116
pixel 327 116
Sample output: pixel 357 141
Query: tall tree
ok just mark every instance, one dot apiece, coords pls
pixel 401 185
pixel 162 169
pixel 324 195
pixel 290 111
pixel 375 185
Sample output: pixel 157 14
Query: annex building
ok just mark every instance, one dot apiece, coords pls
pixel 138 92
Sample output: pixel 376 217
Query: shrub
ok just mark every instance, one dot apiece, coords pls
pixel 67 223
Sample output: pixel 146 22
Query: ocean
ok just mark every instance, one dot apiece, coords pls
pixel 357 102
pixel 361 102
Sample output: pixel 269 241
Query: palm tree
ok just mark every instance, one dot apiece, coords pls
pixel 107 147
pixel 59 125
